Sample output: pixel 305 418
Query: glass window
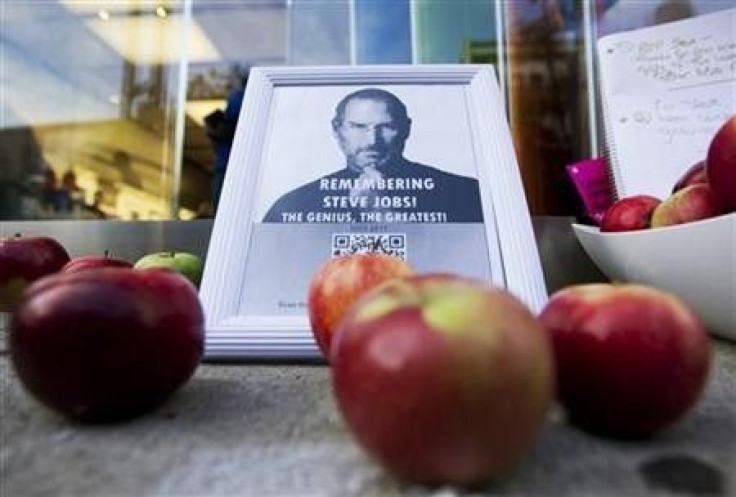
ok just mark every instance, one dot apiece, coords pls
pixel 382 31
pixel 621 15
pixel 452 32
pixel 89 109
pixel 124 110
pixel 548 98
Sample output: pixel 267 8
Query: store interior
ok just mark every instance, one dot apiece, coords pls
pixel 104 103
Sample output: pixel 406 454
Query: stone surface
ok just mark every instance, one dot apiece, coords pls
pixel 273 429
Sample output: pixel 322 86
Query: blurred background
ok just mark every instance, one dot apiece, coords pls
pixel 108 108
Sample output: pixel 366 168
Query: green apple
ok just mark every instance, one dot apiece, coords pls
pixel 189 265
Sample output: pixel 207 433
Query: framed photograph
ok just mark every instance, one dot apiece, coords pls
pixel 414 161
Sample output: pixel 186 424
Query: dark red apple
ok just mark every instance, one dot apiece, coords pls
pixel 721 164
pixel 94 262
pixel 694 175
pixel 629 213
pixel 442 379
pixel 631 359
pixel 23 260
pixel 107 344
pixel 692 203
pixel 339 283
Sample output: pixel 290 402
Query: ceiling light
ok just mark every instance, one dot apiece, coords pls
pixel 103 14
pixel 118 6
pixel 151 40
pixel 161 11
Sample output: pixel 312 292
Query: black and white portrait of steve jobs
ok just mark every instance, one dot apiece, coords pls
pixel 376 183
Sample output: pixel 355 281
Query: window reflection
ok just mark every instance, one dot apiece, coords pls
pixel 93 83
pixel 97 94
pixel 630 14
pixel 22 169
pixel 547 98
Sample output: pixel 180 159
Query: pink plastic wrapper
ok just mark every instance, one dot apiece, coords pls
pixel 593 184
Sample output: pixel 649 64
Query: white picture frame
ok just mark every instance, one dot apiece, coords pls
pixel 457 114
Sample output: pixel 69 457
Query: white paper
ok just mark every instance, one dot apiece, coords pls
pixel 666 90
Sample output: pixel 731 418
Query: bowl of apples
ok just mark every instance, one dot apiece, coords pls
pixel 685 243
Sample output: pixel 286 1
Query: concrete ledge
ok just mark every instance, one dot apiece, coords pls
pixel 250 429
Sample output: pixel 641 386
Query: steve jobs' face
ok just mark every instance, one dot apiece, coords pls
pixel 368 134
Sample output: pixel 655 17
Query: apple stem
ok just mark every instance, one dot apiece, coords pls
pixel 173 253
pixel 17 235
pixel 106 254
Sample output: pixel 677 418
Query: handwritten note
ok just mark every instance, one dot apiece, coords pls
pixel 666 90
pixel 687 60
pixel 669 119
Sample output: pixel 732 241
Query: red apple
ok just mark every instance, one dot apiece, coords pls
pixel 631 359
pixel 93 262
pixel 721 164
pixel 694 175
pixel 442 379
pixel 107 344
pixel 23 260
pixel 338 284
pixel 692 203
pixel 629 213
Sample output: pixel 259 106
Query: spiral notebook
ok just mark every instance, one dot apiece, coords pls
pixel 665 91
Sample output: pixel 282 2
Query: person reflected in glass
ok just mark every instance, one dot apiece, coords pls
pixel 378 184
pixel 221 126
pixel 55 200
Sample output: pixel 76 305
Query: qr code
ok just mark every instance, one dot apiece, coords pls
pixel 364 243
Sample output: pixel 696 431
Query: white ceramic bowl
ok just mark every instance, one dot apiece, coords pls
pixel 695 261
